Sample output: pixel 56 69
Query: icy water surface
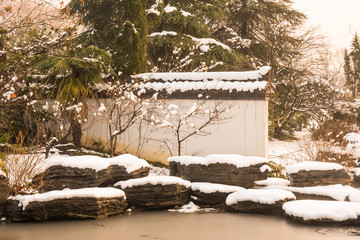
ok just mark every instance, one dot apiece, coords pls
pixel 173 226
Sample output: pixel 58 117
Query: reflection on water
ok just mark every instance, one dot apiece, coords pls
pixel 172 226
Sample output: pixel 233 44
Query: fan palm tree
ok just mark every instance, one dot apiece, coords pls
pixel 72 75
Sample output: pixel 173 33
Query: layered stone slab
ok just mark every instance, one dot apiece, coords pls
pixel 306 174
pixel 89 171
pixel 86 203
pixel 4 189
pixel 265 201
pixel 323 212
pixel 156 192
pixel 228 169
pixel 211 194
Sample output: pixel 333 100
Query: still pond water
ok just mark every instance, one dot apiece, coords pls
pixel 175 226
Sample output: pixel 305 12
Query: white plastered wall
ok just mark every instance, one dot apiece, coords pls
pixel 245 132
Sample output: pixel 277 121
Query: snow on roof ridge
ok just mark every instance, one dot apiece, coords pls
pixel 201 76
pixel 308 166
pixel 107 192
pixel 238 160
pixel 153 180
pixel 130 162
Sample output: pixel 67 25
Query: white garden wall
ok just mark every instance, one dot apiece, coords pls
pixel 245 132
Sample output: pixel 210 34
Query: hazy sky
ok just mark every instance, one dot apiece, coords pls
pixel 338 19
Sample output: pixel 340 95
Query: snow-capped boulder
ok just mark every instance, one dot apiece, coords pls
pixel 228 169
pixel 156 192
pixel 272 181
pixel 323 212
pixel 306 174
pixel 211 194
pixel 86 203
pixel 4 188
pixel 259 200
pixel 89 171
pixel 331 192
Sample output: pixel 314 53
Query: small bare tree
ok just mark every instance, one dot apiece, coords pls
pixel 123 110
pixel 189 122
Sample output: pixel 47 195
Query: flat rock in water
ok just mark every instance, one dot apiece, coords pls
pixel 330 192
pixel 86 203
pixel 228 169
pixel 265 201
pixel 323 212
pixel 156 192
pixel 89 171
pixel 4 188
pixel 306 174
pixel 211 194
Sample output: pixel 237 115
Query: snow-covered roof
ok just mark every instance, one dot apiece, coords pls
pixel 153 180
pixel 179 84
pixel 130 162
pixel 107 192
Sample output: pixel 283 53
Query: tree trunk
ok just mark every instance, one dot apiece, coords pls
pixel 76 133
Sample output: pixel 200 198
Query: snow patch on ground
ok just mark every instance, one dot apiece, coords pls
pixel 317 210
pixel 206 187
pixel 108 192
pixel 158 171
pixel 191 208
pixel 153 180
pixel 309 166
pixel 238 160
pixel 337 192
pixel 263 196
pixel 273 182
pixel 353 146
pixel 130 162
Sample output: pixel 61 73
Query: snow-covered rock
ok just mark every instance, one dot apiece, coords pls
pixel 89 171
pixel 156 192
pixel 357 176
pixel 259 200
pixel 211 194
pixel 331 192
pixel 315 211
pixel 4 188
pixel 317 173
pixel 86 203
pixel 215 168
pixel 313 166
pixel 273 182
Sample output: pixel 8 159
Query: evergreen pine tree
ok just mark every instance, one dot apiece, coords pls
pixel 117 26
pixel 349 73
